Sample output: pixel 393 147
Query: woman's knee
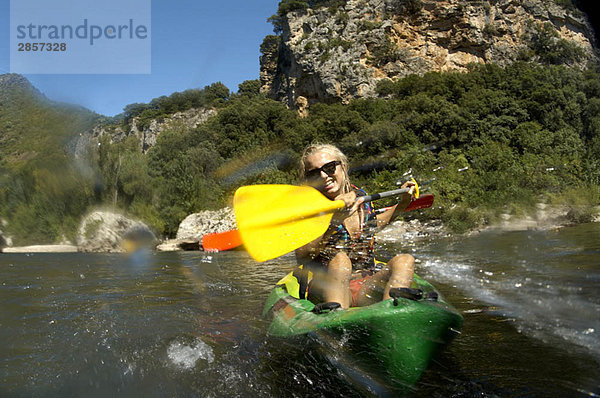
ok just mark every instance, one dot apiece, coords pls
pixel 402 262
pixel 341 264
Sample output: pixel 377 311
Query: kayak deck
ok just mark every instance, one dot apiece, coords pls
pixel 399 335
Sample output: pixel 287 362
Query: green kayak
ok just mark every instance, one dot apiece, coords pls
pixel 397 336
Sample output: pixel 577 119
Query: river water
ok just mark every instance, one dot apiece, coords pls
pixel 189 324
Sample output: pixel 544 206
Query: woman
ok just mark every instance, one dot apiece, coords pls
pixel 342 259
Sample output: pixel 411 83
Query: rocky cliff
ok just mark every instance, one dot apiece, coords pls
pixel 185 120
pixel 336 53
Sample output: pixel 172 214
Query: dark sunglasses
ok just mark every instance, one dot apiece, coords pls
pixel 327 168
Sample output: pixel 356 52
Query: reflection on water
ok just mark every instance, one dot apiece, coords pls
pixel 181 324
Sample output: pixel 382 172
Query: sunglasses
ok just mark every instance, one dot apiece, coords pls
pixel 327 168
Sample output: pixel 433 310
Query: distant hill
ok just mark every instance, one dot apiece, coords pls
pixel 33 128
pixel 42 193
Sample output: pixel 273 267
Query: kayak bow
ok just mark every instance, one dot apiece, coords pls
pixel 397 336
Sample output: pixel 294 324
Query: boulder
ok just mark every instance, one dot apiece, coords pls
pixel 196 225
pixel 105 231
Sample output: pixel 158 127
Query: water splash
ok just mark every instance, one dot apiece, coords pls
pixel 541 306
pixel 185 355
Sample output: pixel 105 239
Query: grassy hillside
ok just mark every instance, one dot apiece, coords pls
pixel 31 126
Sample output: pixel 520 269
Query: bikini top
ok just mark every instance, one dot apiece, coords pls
pixel 359 248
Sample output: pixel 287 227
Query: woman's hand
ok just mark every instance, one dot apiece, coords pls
pixel 390 215
pixel 407 197
pixel 351 205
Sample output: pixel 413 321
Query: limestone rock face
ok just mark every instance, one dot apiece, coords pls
pixel 329 55
pixel 186 120
pixel 104 231
pixel 189 119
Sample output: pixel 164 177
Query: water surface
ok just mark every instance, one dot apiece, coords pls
pixel 189 324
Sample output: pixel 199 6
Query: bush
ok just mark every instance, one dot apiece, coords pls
pixel 461 219
pixel 384 53
pixel 554 50
pixel 493 138
pixel 581 203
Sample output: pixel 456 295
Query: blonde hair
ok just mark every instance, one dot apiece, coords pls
pixel 331 150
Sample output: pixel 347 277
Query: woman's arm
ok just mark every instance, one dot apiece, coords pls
pixel 390 215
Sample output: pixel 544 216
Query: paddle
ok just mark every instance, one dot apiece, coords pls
pixel 220 241
pixel 275 219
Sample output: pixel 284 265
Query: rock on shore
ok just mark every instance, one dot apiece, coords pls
pixel 410 230
pixel 104 231
pixel 41 249
pixel 196 225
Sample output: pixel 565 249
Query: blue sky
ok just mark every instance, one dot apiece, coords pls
pixel 194 44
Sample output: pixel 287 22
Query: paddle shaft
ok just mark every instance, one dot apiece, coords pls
pixel 387 194
pixel 230 239
pixel 220 241
pixel 284 217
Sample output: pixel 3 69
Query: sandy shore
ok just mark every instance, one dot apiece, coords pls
pixel 41 249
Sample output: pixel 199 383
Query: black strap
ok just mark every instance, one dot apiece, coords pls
pixel 326 307
pixel 301 275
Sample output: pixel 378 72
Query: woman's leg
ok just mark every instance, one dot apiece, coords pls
pixel 332 283
pixel 397 273
pixel 402 270
pixel 338 280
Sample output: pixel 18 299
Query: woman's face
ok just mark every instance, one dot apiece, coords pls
pixel 330 184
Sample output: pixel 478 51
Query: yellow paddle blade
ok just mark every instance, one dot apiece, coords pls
pixel 275 219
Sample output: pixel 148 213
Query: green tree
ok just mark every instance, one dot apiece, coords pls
pixel 249 88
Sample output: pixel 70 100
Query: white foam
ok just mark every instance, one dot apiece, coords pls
pixel 186 355
pixel 540 307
